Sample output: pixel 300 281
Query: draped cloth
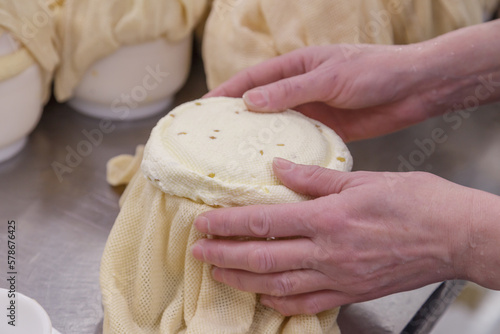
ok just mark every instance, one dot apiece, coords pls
pixel 242 33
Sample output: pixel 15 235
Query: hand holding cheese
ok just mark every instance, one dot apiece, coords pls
pixel 204 154
pixel 365 235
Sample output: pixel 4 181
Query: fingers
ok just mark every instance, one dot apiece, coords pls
pixel 275 284
pixel 272 70
pixel 255 256
pixel 260 221
pixel 310 180
pixel 309 303
pixel 322 300
pixel 280 220
pixel 288 92
pixel 280 83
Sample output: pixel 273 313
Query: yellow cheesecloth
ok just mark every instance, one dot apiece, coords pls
pixel 242 33
pixel 90 30
pixel 204 154
pixel 31 24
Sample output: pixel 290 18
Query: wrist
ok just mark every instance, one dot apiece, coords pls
pixel 476 254
pixel 459 70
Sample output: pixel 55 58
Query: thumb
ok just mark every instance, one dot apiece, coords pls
pixel 309 180
pixel 286 93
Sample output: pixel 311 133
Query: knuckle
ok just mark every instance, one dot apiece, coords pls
pixel 239 283
pixel 216 256
pixel 327 75
pixel 227 225
pixel 260 225
pixel 311 262
pixel 316 173
pixel 228 220
pixel 260 260
pixel 283 285
pixel 311 306
pixel 249 78
pixel 317 177
pixel 287 87
pixel 283 307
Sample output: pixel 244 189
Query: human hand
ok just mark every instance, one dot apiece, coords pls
pixel 365 235
pixel 374 91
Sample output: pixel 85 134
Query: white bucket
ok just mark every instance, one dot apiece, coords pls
pixel 20 103
pixel 134 82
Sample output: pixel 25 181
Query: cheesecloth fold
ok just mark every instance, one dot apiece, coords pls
pixel 242 33
pixel 203 155
pixel 90 30
pixel 31 23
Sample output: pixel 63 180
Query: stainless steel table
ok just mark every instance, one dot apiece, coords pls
pixel 63 223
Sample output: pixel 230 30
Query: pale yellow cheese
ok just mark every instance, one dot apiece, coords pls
pixel 215 151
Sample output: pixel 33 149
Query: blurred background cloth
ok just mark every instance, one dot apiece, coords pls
pixel 90 30
pixel 31 24
pixel 242 33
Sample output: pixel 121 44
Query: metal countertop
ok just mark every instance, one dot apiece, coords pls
pixel 62 226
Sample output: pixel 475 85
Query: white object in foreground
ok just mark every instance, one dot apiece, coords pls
pixel 29 317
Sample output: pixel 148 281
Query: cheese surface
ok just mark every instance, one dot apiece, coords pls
pixel 215 151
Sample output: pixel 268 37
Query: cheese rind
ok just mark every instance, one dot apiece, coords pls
pixel 215 151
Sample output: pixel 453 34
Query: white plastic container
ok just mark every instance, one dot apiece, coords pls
pixel 20 103
pixel 135 81
pixel 29 317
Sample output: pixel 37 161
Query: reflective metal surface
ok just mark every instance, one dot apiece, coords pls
pixel 63 218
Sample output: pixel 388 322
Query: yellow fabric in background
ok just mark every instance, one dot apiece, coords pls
pixel 31 23
pixel 90 30
pixel 242 33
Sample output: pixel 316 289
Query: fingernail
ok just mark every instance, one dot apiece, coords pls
pixel 197 252
pixel 283 164
pixel 257 98
pixel 202 224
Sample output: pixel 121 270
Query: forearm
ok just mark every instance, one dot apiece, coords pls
pixel 461 69
pixel 478 258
